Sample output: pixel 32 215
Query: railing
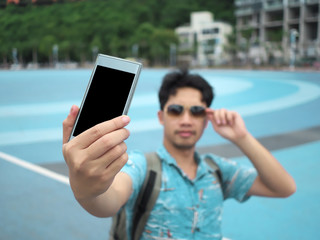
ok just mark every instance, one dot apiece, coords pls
pixel 294 2
pixel 273 5
pixel 243 2
pixel 311 1
pixel 244 11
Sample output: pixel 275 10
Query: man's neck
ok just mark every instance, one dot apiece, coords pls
pixel 185 159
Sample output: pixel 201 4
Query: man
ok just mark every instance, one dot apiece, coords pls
pixel 189 205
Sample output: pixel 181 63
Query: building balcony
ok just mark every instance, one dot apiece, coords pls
pixel 253 24
pixel 294 21
pixel 244 12
pixel 274 24
pixel 293 3
pixel 240 3
pixel 250 24
pixel 312 1
pixel 310 19
pixel 273 5
pixel 294 13
pixel 275 16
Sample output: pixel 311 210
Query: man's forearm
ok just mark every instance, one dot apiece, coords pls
pixel 108 203
pixel 104 205
pixel 272 175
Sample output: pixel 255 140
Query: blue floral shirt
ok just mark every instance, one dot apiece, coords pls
pixel 188 209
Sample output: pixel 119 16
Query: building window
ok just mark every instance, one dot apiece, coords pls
pixel 210 31
pixel 206 31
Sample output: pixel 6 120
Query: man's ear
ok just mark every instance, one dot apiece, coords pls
pixel 160 116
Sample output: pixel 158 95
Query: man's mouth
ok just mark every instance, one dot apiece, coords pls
pixel 185 134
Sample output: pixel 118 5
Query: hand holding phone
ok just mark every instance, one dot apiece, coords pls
pixel 109 92
pixel 95 157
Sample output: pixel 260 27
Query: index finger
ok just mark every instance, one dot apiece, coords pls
pixel 91 135
pixel 209 112
pixel 69 122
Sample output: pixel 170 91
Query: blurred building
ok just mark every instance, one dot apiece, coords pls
pixel 202 41
pixel 279 29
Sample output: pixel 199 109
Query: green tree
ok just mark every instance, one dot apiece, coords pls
pixel 161 40
pixel 114 26
pixel 142 38
pixel 46 45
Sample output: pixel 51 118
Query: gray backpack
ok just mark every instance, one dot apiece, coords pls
pixel 146 200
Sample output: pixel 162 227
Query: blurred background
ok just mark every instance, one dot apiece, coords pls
pixel 261 56
pixel 233 33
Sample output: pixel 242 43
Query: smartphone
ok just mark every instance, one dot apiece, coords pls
pixel 109 92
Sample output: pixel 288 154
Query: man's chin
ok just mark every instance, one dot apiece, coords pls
pixel 184 146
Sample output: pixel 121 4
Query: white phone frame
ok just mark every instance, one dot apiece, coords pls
pixel 118 64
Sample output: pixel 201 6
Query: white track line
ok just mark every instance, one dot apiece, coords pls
pixel 35 168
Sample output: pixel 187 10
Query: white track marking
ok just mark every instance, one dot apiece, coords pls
pixel 307 92
pixel 227 87
pixel 35 168
pixel 30 136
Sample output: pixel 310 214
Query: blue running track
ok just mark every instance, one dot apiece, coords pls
pixel 281 109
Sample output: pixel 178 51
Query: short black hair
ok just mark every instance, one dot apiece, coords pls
pixel 182 78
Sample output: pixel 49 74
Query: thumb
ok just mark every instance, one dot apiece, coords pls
pixel 69 122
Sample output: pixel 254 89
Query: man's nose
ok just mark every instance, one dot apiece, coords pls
pixel 186 117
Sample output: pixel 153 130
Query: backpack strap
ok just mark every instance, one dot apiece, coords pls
pixel 118 227
pixel 148 195
pixel 147 198
pixel 144 204
pixel 216 170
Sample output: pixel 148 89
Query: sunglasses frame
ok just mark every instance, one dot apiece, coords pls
pixel 177 110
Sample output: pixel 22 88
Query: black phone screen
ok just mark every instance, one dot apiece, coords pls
pixel 106 97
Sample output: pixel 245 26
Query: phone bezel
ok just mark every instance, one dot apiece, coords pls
pixel 118 64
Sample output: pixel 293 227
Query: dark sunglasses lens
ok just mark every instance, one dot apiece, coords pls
pixel 198 111
pixel 175 110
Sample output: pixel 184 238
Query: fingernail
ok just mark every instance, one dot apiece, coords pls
pixel 125 119
pixel 72 109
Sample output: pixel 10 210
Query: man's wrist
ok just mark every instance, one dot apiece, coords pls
pixel 243 141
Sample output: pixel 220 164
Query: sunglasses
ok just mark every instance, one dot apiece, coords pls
pixel 177 110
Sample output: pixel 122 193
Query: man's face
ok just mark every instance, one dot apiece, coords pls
pixel 182 129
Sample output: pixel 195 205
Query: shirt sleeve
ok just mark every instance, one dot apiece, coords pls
pixel 136 168
pixel 237 178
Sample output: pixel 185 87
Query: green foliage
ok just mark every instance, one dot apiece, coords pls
pixel 111 26
pixel 275 35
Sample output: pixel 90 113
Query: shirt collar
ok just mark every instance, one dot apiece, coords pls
pixel 166 157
